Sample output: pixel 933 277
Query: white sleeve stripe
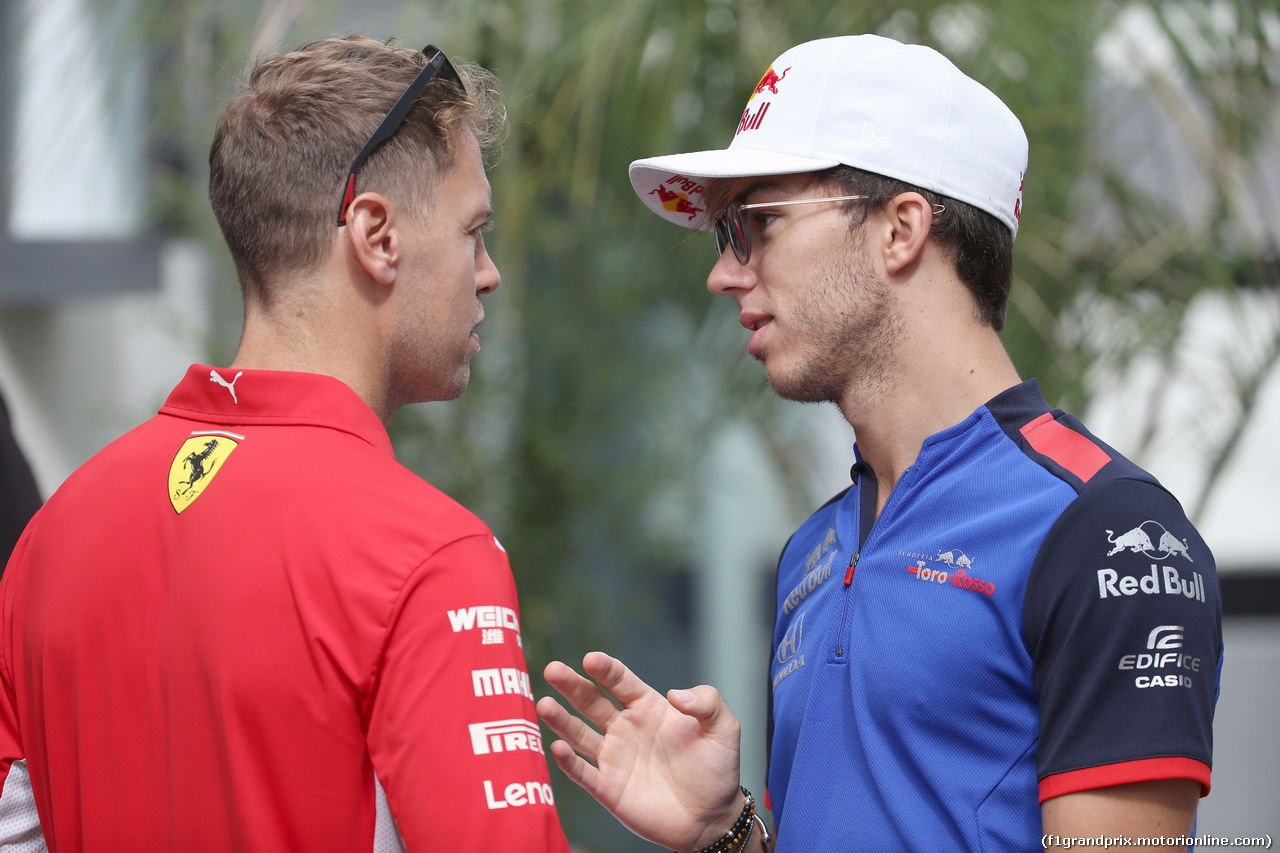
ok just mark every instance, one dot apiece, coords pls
pixel 19 822
pixel 386 835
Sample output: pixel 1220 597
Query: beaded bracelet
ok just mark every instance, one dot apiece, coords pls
pixel 740 831
pixel 764 831
pixel 746 839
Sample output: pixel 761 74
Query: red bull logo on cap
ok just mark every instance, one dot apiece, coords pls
pixel 769 81
pixel 752 120
pixel 675 201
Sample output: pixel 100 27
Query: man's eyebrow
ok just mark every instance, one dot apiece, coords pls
pixel 756 187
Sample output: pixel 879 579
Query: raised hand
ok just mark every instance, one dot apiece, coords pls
pixel 666 767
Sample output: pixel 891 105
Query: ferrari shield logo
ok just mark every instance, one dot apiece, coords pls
pixel 197 462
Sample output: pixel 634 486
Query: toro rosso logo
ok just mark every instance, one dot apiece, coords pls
pixel 961 565
pixel 950 558
pixel 1140 540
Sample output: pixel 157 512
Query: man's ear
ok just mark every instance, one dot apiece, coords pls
pixel 372 238
pixel 908 218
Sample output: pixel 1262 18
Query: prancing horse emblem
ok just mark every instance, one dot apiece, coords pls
pixel 196 463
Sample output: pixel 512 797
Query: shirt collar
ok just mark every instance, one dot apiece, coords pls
pixel 274 397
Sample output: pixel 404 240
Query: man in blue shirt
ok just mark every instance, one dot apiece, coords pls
pixel 1003 634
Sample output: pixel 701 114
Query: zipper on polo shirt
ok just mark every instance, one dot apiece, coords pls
pixel 844 617
pixel 867 489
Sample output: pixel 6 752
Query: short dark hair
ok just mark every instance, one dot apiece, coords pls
pixel 979 246
pixel 282 148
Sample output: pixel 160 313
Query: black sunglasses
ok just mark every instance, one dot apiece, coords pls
pixel 437 65
pixel 732 229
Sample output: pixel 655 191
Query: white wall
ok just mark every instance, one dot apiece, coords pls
pixel 81 372
pixel 1246 750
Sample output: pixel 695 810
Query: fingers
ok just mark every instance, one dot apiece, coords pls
pixel 614 676
pixel 584 696
pixel 705 704
pixel 577 736
pixel 576 733
pixel 575 767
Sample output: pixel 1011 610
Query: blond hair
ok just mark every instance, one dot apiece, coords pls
pixel 283 146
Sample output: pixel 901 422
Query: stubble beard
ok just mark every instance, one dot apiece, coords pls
pixel 852 325
pixel 406 388
pixel 421 372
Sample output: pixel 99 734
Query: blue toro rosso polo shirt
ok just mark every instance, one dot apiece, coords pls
pixel 1030 615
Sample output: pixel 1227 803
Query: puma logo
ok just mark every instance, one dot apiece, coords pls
pixel 230 386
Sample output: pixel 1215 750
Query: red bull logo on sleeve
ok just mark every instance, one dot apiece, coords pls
pixel 1166 580
pixel 1150 538
pixel 676 201
pixel 1155 542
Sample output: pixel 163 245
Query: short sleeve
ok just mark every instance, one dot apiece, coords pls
pixel 1123 620
pixel 452 731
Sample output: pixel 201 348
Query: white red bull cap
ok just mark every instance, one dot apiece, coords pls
pixel 902 111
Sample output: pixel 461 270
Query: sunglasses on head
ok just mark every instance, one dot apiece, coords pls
pixel 438 65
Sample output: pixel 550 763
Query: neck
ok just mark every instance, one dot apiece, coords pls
pixel 316 330
pixel 937 381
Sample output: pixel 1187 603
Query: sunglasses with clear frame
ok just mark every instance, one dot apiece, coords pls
pixel 733 230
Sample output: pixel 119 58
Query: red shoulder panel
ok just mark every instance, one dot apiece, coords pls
pixel 1065 446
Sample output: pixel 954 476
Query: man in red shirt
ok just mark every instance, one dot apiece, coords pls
pixel 243 625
